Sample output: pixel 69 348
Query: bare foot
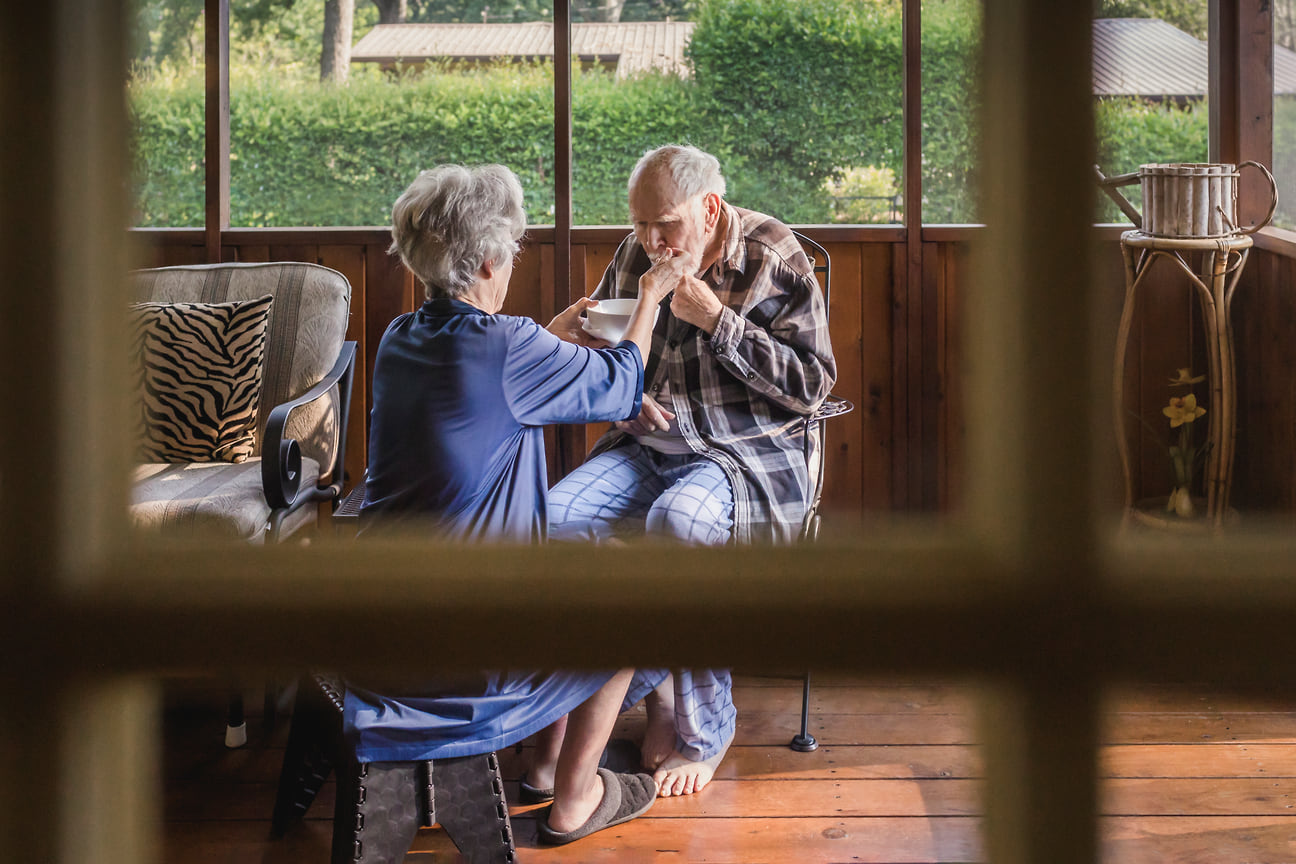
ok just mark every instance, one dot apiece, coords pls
pixel 679 776
pixel 659 737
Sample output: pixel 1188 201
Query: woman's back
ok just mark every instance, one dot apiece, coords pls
pixel 460 398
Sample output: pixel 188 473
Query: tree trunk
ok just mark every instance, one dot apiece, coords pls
pixel 1284 12
pixel 335 59
pixel 392 11
pixel 608 11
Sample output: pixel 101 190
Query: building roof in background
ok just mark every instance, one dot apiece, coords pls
pixel 1131 56
pixel 1151 58
pixel 632 46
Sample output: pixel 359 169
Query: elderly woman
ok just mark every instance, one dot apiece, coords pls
pixel 460 397
pixel 461 393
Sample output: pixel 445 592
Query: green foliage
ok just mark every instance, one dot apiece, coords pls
pixel 1187 15
pixel 951 43
pixel 168 34
pixel 786 120
pixel 613 123
pixel 305 155
pixel 794 92
pixel 864 195
pixel 1132 132
pixel 167 119
pixel 1284 159
pixel 796 100
pixel 471 11
pixel 659 10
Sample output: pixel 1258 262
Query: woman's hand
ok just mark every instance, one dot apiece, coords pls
pixel 566 325
pixel 652 418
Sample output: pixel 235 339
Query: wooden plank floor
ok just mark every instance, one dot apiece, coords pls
pixel 1188 777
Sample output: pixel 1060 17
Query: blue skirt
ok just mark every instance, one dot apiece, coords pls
pixel 472 715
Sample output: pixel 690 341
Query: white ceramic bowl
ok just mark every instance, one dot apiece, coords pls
pixel 610 318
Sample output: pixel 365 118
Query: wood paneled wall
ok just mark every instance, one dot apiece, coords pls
pixel 1264 313
pixel 898 352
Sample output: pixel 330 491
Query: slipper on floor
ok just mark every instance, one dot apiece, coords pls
pixel 625 796
pixel 528 794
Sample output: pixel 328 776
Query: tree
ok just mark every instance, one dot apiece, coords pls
pixel 392 11
pixel 598 10
pixel 479 11
pixel 167 31
pixel 1284 19
pixel 659 10
pixel 1187 15
pixel 335 58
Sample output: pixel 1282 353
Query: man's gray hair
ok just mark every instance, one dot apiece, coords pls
pixel 693 171
pixel 453 219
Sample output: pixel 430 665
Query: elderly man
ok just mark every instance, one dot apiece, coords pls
pixel 740 357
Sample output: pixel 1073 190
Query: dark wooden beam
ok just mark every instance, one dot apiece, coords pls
pixel 29 323
pixel 1255 57
pixel 1223 89
pixel 562 177
pixel 910 462
pixel 217 117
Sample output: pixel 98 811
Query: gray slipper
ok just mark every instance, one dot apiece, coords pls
pixel 625 796
pixel 529 794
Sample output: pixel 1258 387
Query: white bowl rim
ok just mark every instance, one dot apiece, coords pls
pixel 612 307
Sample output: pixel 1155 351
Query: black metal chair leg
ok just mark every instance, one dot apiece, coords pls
pixel 805 742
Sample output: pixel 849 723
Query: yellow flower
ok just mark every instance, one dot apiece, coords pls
pixel 1185 378
pixel 1182 410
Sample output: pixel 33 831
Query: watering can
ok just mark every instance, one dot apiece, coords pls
pixel 1187 200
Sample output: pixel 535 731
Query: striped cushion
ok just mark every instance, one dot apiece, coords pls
pixel 199 378
pixel 211 500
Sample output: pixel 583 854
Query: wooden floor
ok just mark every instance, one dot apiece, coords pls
pixel 1188 778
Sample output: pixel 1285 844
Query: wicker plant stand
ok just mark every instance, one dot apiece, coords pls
pixel 1213 266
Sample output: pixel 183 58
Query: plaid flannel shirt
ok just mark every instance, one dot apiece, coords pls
pixel 741 395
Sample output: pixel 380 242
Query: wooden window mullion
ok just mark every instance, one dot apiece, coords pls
pixel 217 118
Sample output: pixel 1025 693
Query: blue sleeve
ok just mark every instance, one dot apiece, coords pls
pixel 547 380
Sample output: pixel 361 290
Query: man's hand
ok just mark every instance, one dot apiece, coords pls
pixel 566 325
pixel 696 303
pixel 652 418
pixel 671 267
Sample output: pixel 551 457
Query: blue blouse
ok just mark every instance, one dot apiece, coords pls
pixel 460 401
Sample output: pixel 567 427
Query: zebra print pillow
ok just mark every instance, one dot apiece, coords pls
pixel 199 378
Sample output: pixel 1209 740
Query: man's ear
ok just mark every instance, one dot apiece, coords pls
pixel 711 201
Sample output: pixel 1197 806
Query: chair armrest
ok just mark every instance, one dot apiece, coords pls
pixel 833 406
pixel 281 457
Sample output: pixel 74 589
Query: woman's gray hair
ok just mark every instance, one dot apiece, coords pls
pixel 453 219
pixel 693 171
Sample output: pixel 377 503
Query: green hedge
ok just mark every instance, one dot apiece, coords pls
pixel 795 92
pixel 1284 167
pixel 793 99
pixel 1132 132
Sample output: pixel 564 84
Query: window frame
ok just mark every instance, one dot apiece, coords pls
pixel 1029 592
